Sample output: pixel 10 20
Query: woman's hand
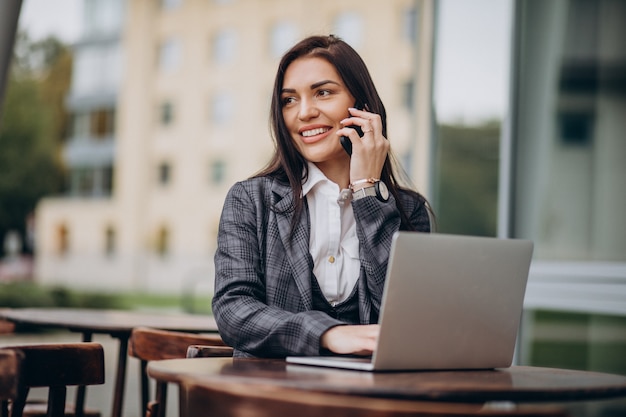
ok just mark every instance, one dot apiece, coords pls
pixel 368 152
pixel 351 339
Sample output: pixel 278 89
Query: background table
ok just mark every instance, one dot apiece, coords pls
pixel 517 383
pixel 116 323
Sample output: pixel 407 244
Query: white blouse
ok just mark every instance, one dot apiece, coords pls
pixel 333 244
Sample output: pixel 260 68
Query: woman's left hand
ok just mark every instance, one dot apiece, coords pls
pixel 368 152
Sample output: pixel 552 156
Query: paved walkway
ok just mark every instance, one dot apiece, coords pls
pixel 99 396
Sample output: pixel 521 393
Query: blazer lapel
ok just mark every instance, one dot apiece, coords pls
pixel 297 248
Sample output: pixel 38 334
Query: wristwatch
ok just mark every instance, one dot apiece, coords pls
pixel 378 190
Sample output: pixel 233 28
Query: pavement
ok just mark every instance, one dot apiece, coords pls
pixel 98 397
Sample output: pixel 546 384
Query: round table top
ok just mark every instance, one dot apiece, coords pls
pixel 108 321
pixel 517 383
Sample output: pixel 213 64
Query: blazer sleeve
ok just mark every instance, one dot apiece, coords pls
pixel 377 222
pixel 245 320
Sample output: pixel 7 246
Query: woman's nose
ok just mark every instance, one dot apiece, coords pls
pixel 307 110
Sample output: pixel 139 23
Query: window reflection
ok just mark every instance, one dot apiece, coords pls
pixel 571 117
pixel 470 86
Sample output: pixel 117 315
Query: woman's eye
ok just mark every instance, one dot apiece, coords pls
pixel 324 93
pixel 288 100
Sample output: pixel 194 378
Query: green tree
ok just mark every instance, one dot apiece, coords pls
pixel 32 129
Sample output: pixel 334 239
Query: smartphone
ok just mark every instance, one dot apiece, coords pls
pixel 345 141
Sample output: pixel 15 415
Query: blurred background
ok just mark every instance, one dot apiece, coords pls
pixel 125 122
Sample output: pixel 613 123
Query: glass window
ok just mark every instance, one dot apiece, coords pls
pixel 106 180
pixel 109 241
pixel 570 143
pixel 218 172
pixel 169 55
pixel 283 36
pixel 408 98
pixel 471 76
pixel 568 177
pixel 164 173
pixel 102 16
pixel 162 246
pixel 166 113
pixel 80 126
pixel 170 4
pixel 224 46
pixel 222 108
pixel 409 24
pixel 96 69
pixel 102 123
pixel 349 27
pixel 62 239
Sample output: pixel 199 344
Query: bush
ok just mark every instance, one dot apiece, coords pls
pixel 28 294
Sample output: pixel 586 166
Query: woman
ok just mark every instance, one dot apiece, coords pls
pixel 303 245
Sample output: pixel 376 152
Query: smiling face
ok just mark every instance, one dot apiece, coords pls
pixel 314 101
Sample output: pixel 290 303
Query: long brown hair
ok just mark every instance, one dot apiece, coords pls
pixel 287 164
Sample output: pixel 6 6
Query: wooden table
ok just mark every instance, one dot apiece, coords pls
pixel 519 384
pixel 116 323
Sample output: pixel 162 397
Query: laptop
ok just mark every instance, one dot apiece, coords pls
pixel 449 302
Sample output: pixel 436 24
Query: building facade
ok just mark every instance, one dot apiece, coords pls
pixel 170 101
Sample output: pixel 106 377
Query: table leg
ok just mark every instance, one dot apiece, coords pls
pixel 81 391
pixel 120 378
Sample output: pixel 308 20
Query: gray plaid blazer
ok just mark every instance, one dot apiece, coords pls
pixel 263 300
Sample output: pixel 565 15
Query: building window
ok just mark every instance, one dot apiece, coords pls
pixel 106 180
pixel 170 4
pixel 164 173
pixel 222 108
pixel 109 241
pixel 162 244
pixel 80 126
pixel 166 113
pixel 90 181
pixel 97 69
pixel 62 240
pixel 169 55
pixel 98 124
pixel 349 27
pixel 409 24
pixel 282 37
pixel 408 98
pixel 102 16
pixel 224 47
pixel 102 123
pixel 218 171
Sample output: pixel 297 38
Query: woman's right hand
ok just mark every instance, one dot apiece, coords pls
pixel 351 339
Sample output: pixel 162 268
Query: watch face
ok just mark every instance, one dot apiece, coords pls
pixel 382 192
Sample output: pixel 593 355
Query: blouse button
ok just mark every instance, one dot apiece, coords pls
pixel 331 259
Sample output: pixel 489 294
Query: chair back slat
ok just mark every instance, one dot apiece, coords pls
pixel 62 364
pixel 153 344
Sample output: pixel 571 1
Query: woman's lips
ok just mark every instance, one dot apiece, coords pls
pixel 314 133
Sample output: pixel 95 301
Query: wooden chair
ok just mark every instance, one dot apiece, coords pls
pixel 56 366
pixel 148 344
pixel 232 399
pixel 10 362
